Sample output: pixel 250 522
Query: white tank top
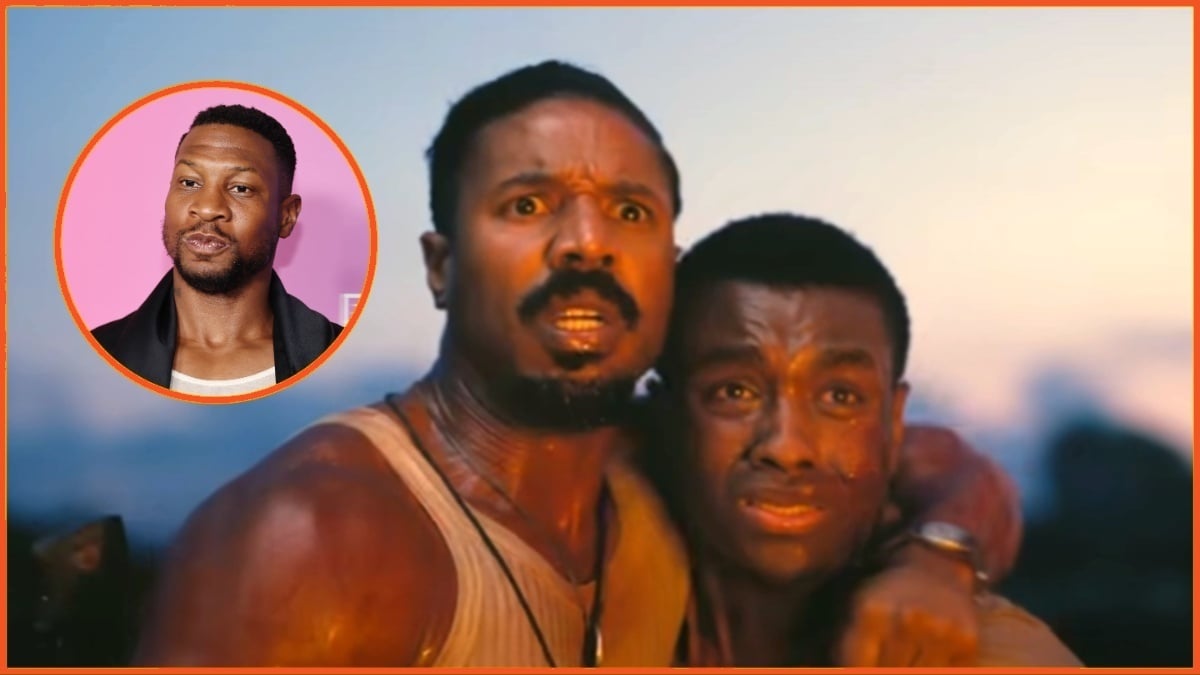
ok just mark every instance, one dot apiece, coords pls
pixel 187 384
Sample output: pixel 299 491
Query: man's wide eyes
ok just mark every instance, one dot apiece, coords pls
pixel 528 205
pixel 632 212
pixel 841 396
pixel 734 391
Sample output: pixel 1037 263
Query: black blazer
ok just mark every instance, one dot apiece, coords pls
pixel 144 341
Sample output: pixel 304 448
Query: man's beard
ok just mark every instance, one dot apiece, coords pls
pixel 225 281
pixel 560 404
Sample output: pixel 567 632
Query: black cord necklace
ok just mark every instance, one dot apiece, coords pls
pixel 560 554
pixel 593 645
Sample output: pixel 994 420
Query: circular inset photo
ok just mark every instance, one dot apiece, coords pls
pixel 215 241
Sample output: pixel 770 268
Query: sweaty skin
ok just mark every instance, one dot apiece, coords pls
pixel 313 557
pixel 325 529
pixel 793 431
pixel 319 555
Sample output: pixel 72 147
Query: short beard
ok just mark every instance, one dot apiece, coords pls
pixel 229 280
pixel 562 405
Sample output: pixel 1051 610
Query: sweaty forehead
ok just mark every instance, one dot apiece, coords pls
pixel 568 138
pixel 732 314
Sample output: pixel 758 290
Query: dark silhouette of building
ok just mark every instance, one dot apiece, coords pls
pixel 1110 566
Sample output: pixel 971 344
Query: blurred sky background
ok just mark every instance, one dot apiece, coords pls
pixel 1026 173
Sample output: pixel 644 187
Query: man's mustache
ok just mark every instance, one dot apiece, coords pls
pixel 206 228
pixel 173 246
pixel 568 282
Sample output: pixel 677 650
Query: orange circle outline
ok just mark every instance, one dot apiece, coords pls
pixel 368 282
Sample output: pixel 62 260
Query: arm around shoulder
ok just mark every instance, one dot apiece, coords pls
pixel 1010 636
pixel 304 562
pixel 941 477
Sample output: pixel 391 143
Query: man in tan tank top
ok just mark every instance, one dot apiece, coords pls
pixel 487 516
pixel 783 376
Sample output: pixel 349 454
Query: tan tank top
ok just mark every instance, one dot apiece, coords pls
pixel 645 583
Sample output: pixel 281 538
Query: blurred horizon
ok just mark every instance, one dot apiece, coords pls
pixel 1025 173
pixel 127 471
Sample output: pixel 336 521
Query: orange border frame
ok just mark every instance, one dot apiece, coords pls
pixel 371 222
pixel 483 4
pixel 612 3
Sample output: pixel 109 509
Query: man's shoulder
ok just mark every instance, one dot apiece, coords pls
pixel 332 478
pixel 331 460
pixel 304 316
pixel 1011 636
pixel 322 527
pixel 302 334
pixel 110 334
pixel 313 316
pixel 143 340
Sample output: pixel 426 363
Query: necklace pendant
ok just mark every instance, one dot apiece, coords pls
pixel 593 650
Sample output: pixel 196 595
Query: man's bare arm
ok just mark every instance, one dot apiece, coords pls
pixel 920 610
pixel 942 478
pixel 318 556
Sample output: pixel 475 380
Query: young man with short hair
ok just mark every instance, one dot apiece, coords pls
pixel 783 394
pixel 220 322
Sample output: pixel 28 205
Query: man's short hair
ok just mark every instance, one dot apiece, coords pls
pixel 511 93
pixel 260 123
pixel 788 251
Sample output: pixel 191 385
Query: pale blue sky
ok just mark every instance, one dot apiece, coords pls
pixel 1026 173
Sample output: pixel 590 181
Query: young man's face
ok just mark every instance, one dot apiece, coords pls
pixel 226 209
pixel 563 188
pixel 791 423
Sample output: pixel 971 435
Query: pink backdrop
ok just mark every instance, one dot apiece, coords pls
pixel 112 252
